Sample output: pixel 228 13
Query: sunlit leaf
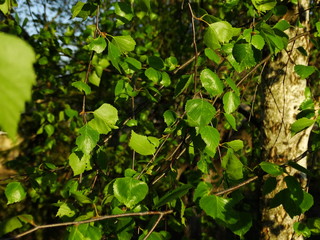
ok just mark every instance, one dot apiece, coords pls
pixel 98 45
pixel 17 76
pixel 15 192
pixel 124 43
pixel 301 124
pixel 88 139
pixel 304 71
pixel 211 137
pixel 211 82
pixel 199 112
pixel 230 102
pixel 130 191
pixel 142 144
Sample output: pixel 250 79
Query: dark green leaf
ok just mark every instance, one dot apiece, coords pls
pixel 172 195
pixel 233 166
pixel 155 62
pixel 269 185
pixel 183 84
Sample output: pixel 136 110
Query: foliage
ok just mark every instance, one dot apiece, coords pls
pixel 136 109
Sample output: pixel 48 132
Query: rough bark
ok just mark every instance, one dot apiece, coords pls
pixel 283 94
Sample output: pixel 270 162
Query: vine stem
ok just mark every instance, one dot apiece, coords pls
pixel 161 214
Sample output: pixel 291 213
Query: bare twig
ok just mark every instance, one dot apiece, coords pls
pixel 161 214
pixel 236 186
pixel 154 226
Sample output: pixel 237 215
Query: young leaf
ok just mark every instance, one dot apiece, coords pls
pixel 264 5
pixel 78 165
pixel 142 144
pixel 258 42
pixel 271 168
pixel 124 43
pixel 82 86
pixel 231 120
pixel 203 189
pixel 155 62
pixel 66 209
pixel 235 144
pixel 211 82
pixel 172 195
pixel 212 55
pixel 211 137
pixel 301 124
pixel 10 225
pixel 15 192
pixel 169 117
pixel 88 139
pixel 153 75
pixel 199 112
pixel 98 45
pixel 130 191
pixel 230 102
pixel 17 77
pixel 105 119
pixel 304 71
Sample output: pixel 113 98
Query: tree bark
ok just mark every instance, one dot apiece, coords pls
pixel 283 94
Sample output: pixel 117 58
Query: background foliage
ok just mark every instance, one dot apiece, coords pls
pixel 141 106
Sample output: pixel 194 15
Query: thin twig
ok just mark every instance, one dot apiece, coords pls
pixel 154 226
pixel 91 220
pixel 236 186
pixel 195 48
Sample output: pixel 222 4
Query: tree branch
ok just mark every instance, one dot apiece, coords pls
pixel 161 214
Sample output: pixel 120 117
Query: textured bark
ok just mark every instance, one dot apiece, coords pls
pixel 283 94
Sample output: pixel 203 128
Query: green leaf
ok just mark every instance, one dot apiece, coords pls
pixel 155 62
pixel 15 192
pixel 114 54
pixel 98 45
pixel 165 79
pixel 169 117
pixel 79 163
pixel 271 168
pixel 17 76
pixel 302 229
pixel 282 25
pixel 124 10
pixel 264 5
pixel 211 137
pixel 244 55
pixel 80 197
pixel 212 55
pixel 199 112
pixel 130 191
pixel 153 75
pixel 233 166
pixel 85 232
pixel 301 124
pixel 183 84
pixel 231 101
pixel 66 209
pixel 258 42
pixel 215 207
pixel 219 32
pixel 211 82
pixel 307 202
pixel 124 43
pixel 133 63
pixel 269 185
pixel 231 120
pixel 10 225
pixel 203 189
pixel 88 139
pixel 105 119
pixel 235 144
pixel 304 71
pixel 142 144
pixel 76 9
pixel 94 79
pixel 82 86
pixel 172 195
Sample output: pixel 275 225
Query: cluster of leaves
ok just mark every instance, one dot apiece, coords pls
pixel 118 123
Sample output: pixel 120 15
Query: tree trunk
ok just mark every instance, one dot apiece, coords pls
pixel 283 94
